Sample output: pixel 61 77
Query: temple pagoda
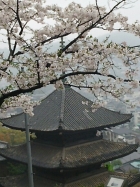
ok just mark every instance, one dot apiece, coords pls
pixel 67 151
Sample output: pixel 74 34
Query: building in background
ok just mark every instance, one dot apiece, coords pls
pixel 120 135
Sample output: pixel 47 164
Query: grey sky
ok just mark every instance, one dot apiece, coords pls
pixel 132 10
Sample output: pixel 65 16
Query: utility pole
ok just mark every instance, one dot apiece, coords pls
pixel 29 157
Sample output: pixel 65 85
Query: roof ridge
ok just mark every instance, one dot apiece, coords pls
pixel 62 109
pixel 62 159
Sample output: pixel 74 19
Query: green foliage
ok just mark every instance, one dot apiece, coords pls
pixel 110 167
pixel 112 164
pixel 13 137
pixel 101 185
pixel 16 168
pixel 116 162
pixel 59 53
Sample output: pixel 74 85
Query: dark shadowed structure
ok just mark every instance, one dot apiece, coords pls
pixel 67 151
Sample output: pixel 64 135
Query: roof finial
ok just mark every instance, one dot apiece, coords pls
pixel 61 47
pixel 62 43
pixel 60 124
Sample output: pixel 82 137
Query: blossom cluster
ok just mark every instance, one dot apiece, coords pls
pixel 30 28
pixel 23 101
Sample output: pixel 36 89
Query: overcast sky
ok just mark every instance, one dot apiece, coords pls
pixel 132 10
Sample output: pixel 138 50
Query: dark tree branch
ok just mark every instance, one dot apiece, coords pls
pixel 80 35
pixel 98 9
pixel 9 7
pixel 62 35
pixel 90 27
pixel 9 44
pixel 52 38
pixel 17 14
pixel 40 85
pixel 38 74
pixel 18 92
pixel 43 42
pixel 17 84
pixel 134 46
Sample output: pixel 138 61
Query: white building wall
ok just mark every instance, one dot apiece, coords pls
pixel 3 144
pixel 137 118
pixel 111 136
pixel 132 141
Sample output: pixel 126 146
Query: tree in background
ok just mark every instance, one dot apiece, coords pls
pixel 13 137
pixel 105 69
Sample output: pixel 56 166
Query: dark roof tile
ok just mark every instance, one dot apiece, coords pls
pixel 47 156
pixel 91 181
pixel 75 116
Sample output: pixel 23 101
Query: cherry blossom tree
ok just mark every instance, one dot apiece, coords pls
pixel 84 61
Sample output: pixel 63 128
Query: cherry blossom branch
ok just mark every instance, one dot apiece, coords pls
pixel 18 17
pixel 40 85
pixel 89 58
pixel 9 7
pixel 98 9
pixel 66 34
pixel 90 27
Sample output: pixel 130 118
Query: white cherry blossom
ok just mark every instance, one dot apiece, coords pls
pixel 87 63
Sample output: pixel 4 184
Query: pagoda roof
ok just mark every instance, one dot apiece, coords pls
pixel 93 180
pixel 53 157
pixel 63 109
pixel 102 178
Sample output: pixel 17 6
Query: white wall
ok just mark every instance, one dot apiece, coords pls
pixel 3 144
pixel 137 118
